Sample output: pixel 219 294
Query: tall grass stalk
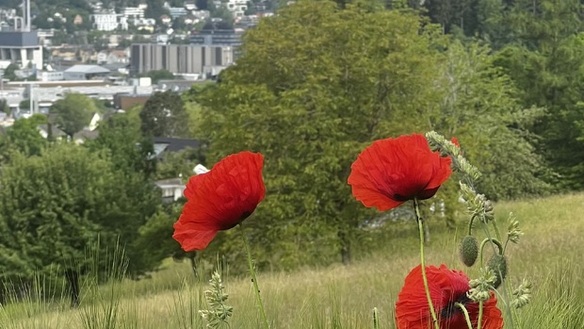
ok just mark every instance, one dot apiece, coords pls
pixel 103 300
pixel 341 295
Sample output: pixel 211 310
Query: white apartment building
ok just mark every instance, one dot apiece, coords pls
pixel 105 21
pixel 134 12
pixel 176 12
pixel 49 75
pixel 237 7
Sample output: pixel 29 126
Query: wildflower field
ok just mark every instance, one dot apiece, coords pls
pixel 550 256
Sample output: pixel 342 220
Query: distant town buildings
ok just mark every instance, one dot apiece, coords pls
pixel 49 75
pixel 217 38
pixel 105 21
pixel 85 72
pixel 237 7
pixel 177 12
pixel 134 12
pixel 22 48
pixel 103 65
pixel 180 59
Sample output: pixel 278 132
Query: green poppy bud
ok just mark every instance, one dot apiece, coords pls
pixel 469 250
pixel 498 265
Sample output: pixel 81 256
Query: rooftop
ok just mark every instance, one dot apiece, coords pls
pixel 87 69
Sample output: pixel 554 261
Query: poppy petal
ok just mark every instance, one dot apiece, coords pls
pixel 393 170
pixel 221 198
pixel 191 238
pixel 446 288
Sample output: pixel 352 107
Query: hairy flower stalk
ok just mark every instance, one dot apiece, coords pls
pixel 477 205
pixel 480 288
pixel 445 147
pixel 254 279
pixel 481 213
pixel 513 231
pixel 522 294
pixel 218 313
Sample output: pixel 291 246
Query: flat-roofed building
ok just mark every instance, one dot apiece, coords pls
pixel 85 72
pixel 22 48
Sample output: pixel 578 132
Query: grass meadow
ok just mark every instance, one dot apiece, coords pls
pixel 550 255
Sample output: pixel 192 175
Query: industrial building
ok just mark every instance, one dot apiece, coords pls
pixel 180 58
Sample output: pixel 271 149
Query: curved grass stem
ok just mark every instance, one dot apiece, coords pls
pixel 423 264
pixel 466 315
pixel 252 272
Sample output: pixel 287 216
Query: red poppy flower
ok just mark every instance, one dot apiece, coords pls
pixel 447 287
pixel 220 199
pixel 393 170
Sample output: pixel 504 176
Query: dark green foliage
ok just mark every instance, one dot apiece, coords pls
pixel 179 164
pixel 164 115
pixel 155 239
pixel 23 137
pixel 4 107
pixel 155 10
pixel 24 104
pixel 483 110
pixel 310 99
pixel 121 140
pixel 69 9
pixel 546 64
pixel 453 14
pixel 120 137
pixel 9 72
pixel 67 209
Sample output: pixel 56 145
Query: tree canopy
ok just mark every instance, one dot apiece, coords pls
pixel 72 113
pixel 164 115
pixel 67 208
pixel 309 100
pixel 23 137
pixel 121 138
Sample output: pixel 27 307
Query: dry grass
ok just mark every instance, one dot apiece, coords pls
pixel 549 255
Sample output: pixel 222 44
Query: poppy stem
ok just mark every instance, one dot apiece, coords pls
pixel 480 321
pixel 254 279
pixel 465 312
pixel 420 221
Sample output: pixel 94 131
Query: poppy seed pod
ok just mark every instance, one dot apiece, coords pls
pixel 498 265
pixel 469 250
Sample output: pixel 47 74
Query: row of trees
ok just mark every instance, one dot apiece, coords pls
pixel 343 75
pixel 68 209
pixel 538 45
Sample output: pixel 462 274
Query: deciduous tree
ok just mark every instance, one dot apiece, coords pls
pixel 481 107
pixel 24 137
pixel 72 113
pixel 310 99
pixel 62 211
pixel 164 115
pixel 121 138
pixel 546 64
